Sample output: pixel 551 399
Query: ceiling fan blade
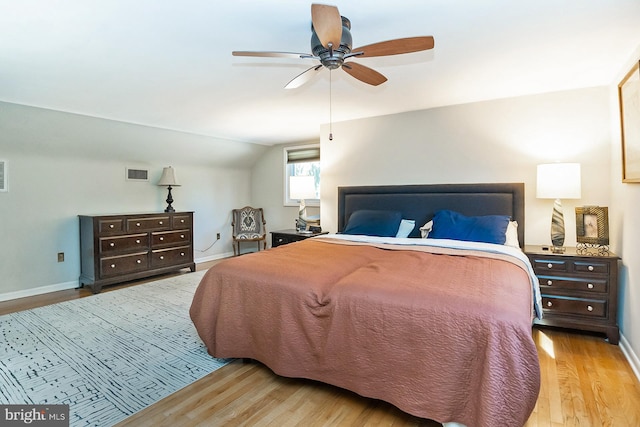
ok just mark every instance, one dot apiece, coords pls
pixel 327 23
pixel 273 54
pixel 303 77
pixel 395 47
pixel 364 74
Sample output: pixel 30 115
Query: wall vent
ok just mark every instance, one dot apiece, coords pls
pixel 137 174
pixel 3 175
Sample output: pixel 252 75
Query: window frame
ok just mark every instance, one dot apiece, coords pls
pixel 288 201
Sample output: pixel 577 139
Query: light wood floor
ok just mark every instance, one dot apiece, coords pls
pixel 585 382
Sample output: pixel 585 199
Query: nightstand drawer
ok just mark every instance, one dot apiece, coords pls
pixel 547 283
pixel 583 307
pixel 546 265
pixel 591 267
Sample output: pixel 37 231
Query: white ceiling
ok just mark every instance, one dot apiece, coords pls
pixel 168 63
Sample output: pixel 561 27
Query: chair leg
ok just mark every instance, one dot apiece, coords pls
pixel 234 248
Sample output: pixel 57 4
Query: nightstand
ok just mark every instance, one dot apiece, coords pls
pixel 578 291
pixel 282 237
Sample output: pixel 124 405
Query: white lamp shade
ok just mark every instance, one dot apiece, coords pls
pixel 302 187
pixel 168 177
pixel 558 181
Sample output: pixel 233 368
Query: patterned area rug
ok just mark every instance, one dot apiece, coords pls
pixel 108 355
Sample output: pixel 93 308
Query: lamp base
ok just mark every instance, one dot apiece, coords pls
pixel 169 201
pixel 557 228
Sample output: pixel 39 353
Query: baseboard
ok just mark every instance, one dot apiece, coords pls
pixel 38 291
pixel 213 257
pixel 632 358
pixel 74 284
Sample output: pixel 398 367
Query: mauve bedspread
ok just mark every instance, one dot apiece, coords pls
pixel 444 335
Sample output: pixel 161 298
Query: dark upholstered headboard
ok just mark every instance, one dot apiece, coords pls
pixel 421 202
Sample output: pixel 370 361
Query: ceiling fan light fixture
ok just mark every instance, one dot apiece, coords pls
pixel 333 57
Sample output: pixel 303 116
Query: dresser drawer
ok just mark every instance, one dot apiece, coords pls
pixel 181 221
pixel 149 224
pixel 548 283
pixel 128 243
pixel 583 307
pixel 110 226
pixel 170 238
pixel 172 256
pixel 117 265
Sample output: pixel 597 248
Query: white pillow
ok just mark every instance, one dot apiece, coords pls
pixel 426 229
pixel 405 228
pixel 511 235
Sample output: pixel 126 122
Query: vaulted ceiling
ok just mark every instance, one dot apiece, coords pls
pixel 168 64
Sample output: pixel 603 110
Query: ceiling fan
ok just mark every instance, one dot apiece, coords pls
pixel 331 45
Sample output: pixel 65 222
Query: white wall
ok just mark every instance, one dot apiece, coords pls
pixel 493 141
pixel 267 190
pixel 625 229
pixel 61 165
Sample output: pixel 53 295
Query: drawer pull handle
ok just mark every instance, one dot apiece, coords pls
pixel 181 253
pixel 549 304
pixel 590 285
pixel 111 225
pixel 590 268
pixel 160 222
pixel 137 240
pixel 113 266
pixel 112 244
pixel 549 265
pixel 182 221
pixel 161 239
pixel 589 308
pixel 549 282
pixel 137 224
pixel 182 236
pixel 138 261
pixel 161 256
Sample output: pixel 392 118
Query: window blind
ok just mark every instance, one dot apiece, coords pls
pixel 310 154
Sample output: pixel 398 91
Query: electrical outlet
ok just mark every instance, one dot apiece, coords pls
pixel 218 236
pixel 60 256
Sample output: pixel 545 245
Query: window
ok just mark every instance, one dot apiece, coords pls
pixel 302 161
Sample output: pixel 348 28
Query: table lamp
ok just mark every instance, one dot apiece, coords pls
pixel 168 179
pixel 301 188
pixel 558 181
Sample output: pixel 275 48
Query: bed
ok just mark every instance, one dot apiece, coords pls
pixel 439 327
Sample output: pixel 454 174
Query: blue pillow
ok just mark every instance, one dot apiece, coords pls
pixel 454 225
pixel 373 223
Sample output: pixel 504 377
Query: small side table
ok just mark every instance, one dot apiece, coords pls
pixel 283 237
pixel 578 291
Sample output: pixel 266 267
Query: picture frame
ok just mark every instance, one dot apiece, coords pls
pixel 592 225
pixel 629 104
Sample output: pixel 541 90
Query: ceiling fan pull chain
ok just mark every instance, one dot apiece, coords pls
pixel 330 111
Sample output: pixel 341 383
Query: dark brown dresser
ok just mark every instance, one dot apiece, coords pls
pixel 578 291
pixel 119 248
